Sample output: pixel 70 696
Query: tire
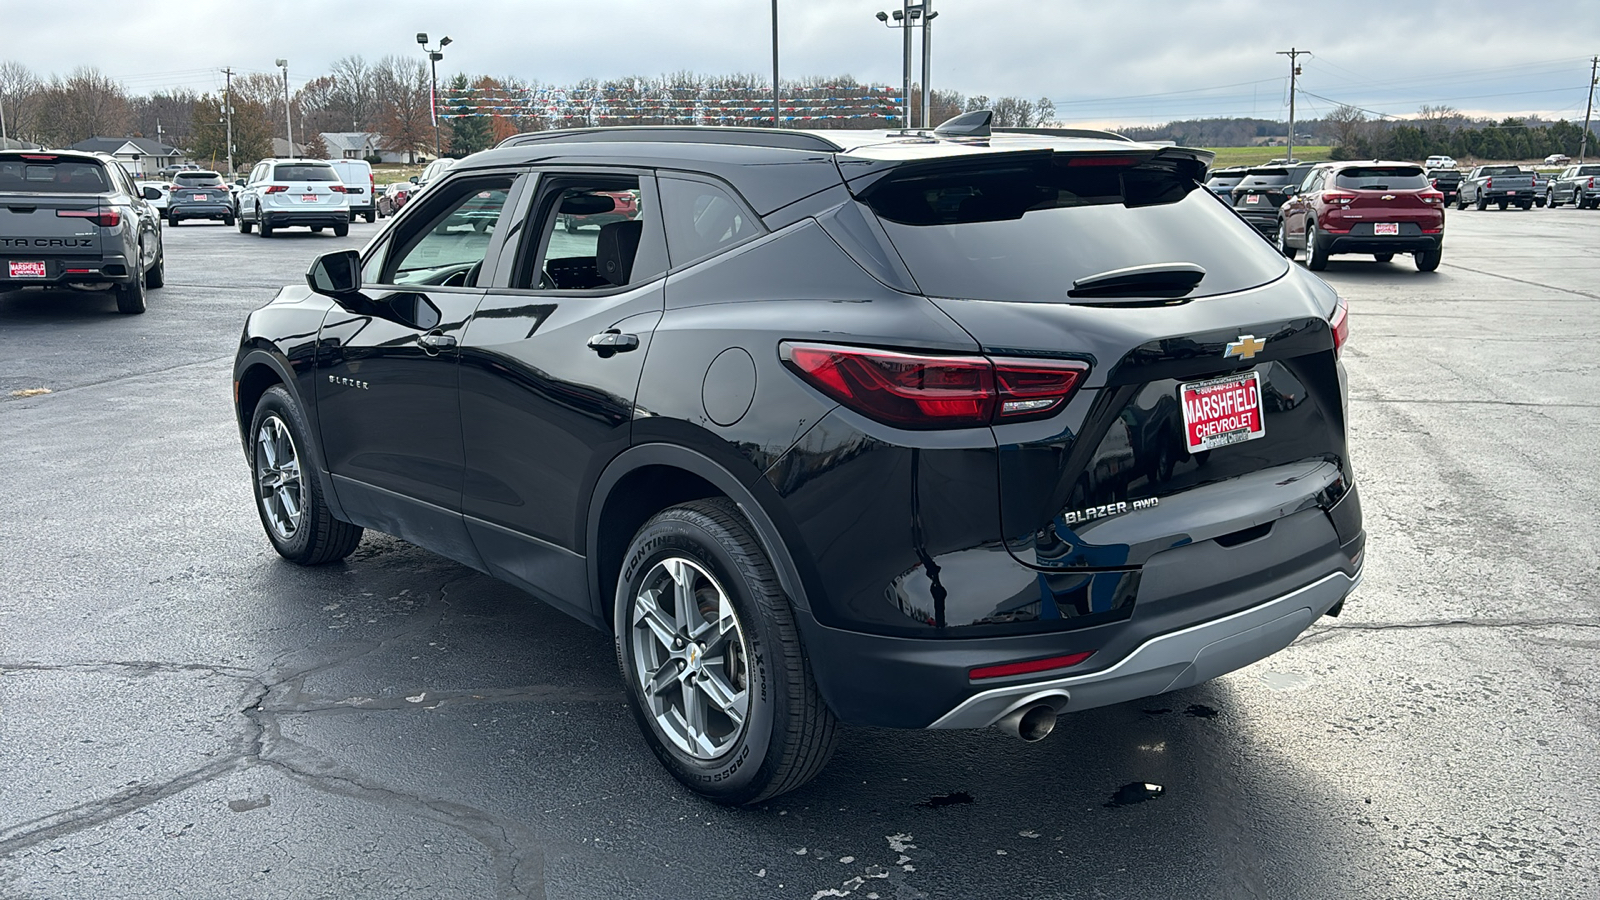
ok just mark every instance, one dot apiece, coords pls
pixel 1526 205
pixel 285 482
pixel 1483 203
pixel 156 277
pixel 316 229
pixel 786 733
pixel 264 228
pixel 227 221
pixel 1461 201
pixel 371 216
pixel 1550 200
pixel 1316 252
pixel 1428 260
pixel 244 225
pixel 340 230
pixel 1283 242
pixel 131 296
pixel 1383 257
pixel 173 220
pixel 1503 204
pixel 570 224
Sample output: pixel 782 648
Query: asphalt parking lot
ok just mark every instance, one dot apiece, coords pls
pixel 183 714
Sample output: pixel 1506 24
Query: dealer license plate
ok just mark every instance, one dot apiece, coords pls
pixel 1222 411
pixel 308 198
pixel 202 197
pixel 1252 198
pixel 20 269
pixel 1386 228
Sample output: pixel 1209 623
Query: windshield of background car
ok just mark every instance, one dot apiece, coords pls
pixel 301 172
pixel 198 179
pixel 1382 178
pixel 1027 230
pixel 52 176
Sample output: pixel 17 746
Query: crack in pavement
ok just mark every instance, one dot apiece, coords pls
pixel 1548 287
pixel 514 850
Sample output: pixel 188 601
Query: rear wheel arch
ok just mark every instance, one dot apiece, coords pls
pixel 649 478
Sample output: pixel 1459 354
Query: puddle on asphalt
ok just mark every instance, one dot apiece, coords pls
pixel 1135 792
pixel 955 799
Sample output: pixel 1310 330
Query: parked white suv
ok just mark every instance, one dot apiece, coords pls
pixel 287 192
pixel 359 187
pixel 1439 162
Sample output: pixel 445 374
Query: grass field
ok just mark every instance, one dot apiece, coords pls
pixel 1256 156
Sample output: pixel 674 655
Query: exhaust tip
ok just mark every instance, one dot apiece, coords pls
pixel 1031 723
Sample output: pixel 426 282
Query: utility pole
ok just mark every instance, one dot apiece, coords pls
pixel 1294 54
pixel 1594 70
pixel 288 123
pixel 774 63
pixel 905 30
pixel 927 91
pixel 227 113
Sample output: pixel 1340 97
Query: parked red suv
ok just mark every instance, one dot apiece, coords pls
pixel 1382 208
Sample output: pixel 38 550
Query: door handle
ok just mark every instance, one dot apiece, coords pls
pixel 433 343
pixel 611 341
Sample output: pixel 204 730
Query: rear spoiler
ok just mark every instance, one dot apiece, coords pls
pixel 1185 162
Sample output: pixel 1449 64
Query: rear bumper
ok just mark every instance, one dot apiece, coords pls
pixel 112 268
pixel 1385 244
pixel 199 210
pixel 289 219
pixel 1170 662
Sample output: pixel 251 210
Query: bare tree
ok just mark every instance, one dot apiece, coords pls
pixel 19 95
pixel 169 115
pixel 1347 124
pixel 85 104
pixel 400 85
pixel 353 94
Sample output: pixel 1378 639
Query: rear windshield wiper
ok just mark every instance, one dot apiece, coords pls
pixel 1156 280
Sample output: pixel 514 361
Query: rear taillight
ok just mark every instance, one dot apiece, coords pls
pixel 1340 323
pixel 107 218
pixel 1488 184
pixel 1029 667
pixel 1432 197
pixel 925 392
pixel 1338 197
pixel 336 188
pixel 276 189
pixel 1591 184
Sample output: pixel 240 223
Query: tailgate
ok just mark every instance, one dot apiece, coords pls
pixel 48 225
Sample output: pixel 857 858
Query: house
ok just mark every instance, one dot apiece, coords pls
pixel 140 156
pixel 282 149
pixel 359 145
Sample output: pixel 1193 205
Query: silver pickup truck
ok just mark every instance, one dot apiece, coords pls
pixel 72 219
pixel 1503 185
pixel 1578 185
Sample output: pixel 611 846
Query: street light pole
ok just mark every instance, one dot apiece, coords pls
pixel 774 63
pixel 434 55
pixel 227 114
pixel 927 90
pixel 288 124
pixel 911 16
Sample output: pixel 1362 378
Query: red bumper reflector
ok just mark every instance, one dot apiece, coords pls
pixel 1032 665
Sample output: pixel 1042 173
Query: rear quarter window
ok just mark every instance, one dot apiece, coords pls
pixel 1026 232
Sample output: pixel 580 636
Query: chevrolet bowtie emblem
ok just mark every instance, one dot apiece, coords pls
pixel 1246 347
pixel 1388 196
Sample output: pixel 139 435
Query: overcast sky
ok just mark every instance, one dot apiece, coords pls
pixel 1100 62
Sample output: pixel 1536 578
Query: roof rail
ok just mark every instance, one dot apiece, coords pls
pixel 1067 132
pixel 678 134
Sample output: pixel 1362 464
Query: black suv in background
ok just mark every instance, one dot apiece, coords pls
pixel 1262 190
pixel 951 429
pixel 76 219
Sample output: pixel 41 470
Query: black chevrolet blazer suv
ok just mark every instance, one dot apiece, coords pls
pixel 948 429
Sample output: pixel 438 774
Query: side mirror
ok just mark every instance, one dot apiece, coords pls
pixel 413 179
pixel 151 193
pixel 336 274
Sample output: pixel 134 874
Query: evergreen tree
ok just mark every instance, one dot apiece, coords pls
pixel 470 130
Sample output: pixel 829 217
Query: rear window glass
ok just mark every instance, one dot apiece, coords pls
pixel 1503 170
pixel 1027 231
pixel 302 172
pixel 198 179
pixel 1383 178
pixel 60 176
pixel 1589 170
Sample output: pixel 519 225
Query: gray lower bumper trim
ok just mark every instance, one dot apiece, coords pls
pixel 1169 662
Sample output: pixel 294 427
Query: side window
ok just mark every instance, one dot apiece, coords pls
pixel 591 232
pixel 702 219
pixel 446 243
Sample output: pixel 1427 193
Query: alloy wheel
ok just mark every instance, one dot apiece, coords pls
pixel 279 488
pixel 690 658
